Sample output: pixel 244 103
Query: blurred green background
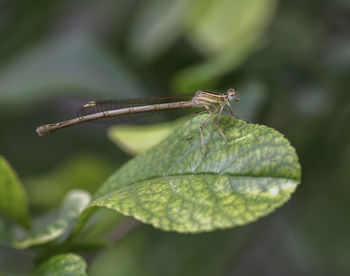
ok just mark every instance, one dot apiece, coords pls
pixel 289 60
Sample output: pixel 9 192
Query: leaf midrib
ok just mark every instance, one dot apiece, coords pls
pixel 198 174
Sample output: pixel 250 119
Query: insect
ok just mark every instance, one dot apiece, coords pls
pixel 213 103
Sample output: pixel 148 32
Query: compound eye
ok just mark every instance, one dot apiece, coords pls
pixel 231 93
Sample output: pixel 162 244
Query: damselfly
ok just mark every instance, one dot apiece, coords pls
pixel 213 103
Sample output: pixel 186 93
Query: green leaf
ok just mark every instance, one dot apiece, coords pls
pixel 63 264
pixel 220 25
pixel 52 227
pixel 173 187
pixel 135 139
pixel 13 199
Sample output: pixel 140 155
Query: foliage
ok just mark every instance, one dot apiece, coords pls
pixel 54 226
pixel 289 60
pixel 174 187
pixel 13 200
pixel 234 184
pixel 64 264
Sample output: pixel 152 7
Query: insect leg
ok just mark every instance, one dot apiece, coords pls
pixel 201 129
pixel 207 110
pixel 217 123
pixel 236 116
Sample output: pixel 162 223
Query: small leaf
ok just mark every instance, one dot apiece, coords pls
pixel 13 199
pixel 137 139
pixel 63 264
pixel 52 227
pixel 175 188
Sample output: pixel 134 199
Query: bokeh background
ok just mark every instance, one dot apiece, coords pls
pixel 290 61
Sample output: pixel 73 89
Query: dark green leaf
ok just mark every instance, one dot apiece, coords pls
pixel 175 188
pixel 63 265
pixel 13 199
